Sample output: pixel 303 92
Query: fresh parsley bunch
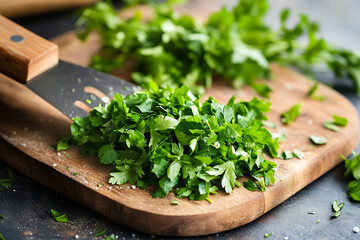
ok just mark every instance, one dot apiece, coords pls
pixel 167 139
pixel 172 49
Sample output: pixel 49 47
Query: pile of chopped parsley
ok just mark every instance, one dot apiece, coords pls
pixel 172 49
pixel 166 138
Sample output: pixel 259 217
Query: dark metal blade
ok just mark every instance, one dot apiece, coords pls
pixel 64 84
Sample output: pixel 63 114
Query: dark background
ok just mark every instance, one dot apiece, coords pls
pixel 26 204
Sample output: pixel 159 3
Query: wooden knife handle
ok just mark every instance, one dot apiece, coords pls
pixel 23 54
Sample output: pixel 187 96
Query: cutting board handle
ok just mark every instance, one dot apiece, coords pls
pixel 23 54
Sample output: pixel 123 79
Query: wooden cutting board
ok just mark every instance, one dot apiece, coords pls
pixel 29 125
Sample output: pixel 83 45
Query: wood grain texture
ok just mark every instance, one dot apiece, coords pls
pixel 26 133
pixel 17 8
pixel 28 58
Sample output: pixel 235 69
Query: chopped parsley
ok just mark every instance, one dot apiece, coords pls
pixel 318 140
pixel 298 153
pixel 1 237
pixel 286 154
pixel 8 181
pixel 289 116
pixel 174 202
pixel 331 126
pixel 267 235
pixel 337 121
pixel 100 232
pixel 111 237
pixel 59 217
pixel 172 49
pixel 167 139
pixel 340 121
pixel 352 171
pixel 312 91
pixel 337 208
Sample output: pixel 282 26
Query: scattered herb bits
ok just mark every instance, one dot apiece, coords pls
pixel 167 139
pixel 340 121
pixel 318 140
pixel 289 116
pixel 267 235
pixel 337 208
pixel 312 91
pixel 331 126
pixel 174 202
pixel 59 217
pixel 286 154
pixel 299 154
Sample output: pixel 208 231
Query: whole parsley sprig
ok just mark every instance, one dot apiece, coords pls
pixel 173 49
pixel 167 139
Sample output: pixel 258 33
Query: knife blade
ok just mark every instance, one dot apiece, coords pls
pixel 33 61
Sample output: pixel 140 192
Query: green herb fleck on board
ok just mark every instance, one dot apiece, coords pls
pixel 111 237
pixel 59 217
pixel 312 91
pixel 289 116
pixel 298 153
pixel 331 126
pixel 1 237
pixel 174 202
pixel 9 181
pixel 318 140
pixel 340 121
pixel 285 155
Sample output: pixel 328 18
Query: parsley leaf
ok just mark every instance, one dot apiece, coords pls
pixel 59 217
pixel 318 140
pixel 331 126
pixel 340 121
pixel 298 153
pixel 174 202
pixel 267 235
pixel 289 116
pixel 337 207
pixel 1 237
